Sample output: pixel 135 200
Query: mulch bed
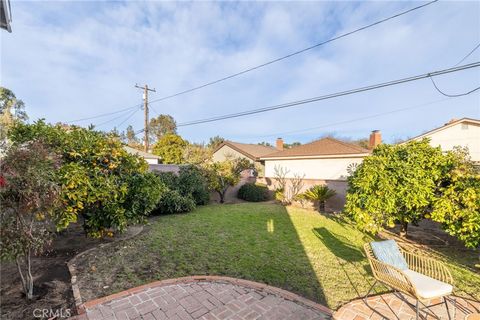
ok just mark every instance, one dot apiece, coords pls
pixel 52 286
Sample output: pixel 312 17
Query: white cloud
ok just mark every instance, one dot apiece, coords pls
pixel 70 60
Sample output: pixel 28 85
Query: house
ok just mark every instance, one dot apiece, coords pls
pixel 464 132
pixel 325 161
pixel 251 152
pixel 150 158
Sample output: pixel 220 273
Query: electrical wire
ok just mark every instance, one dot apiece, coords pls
pixel 452 95
pixel 468 55
pixel 104 114
pixel 116 118
pixel 293 53
pixel 126 119
pixel 287 133
pixel 330 96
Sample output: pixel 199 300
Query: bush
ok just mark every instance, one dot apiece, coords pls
pixel 252 192
pixel 192 182
pixel 172 201
pixel 144 194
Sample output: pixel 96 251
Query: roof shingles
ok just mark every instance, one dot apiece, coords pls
pixel 323 147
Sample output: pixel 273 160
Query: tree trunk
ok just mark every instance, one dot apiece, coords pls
pixel 403 229
pixel 27 279
pixel 29 276
pixel 222 196
pixel 321 206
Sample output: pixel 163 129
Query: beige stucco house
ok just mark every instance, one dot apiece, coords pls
pixel 464 132
pixel 150 158
pixel 325 161
pixel 251 152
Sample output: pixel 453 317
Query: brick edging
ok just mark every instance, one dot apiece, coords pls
pixel 287 295
pixel 77 298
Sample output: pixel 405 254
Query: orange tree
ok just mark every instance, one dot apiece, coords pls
pixel 100 181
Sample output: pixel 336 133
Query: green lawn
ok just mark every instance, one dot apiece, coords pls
pixel 302 251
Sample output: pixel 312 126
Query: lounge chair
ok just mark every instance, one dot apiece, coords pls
pixel 417 276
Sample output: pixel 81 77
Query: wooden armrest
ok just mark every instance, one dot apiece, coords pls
pixel 428 266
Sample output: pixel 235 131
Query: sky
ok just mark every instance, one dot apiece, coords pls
pixel 72 60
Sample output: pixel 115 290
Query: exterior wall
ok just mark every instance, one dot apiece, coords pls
pixel 164 168
pixel 151 161
pixel 334 204
pixel 317 169
pixel 461 134
pixel 227 152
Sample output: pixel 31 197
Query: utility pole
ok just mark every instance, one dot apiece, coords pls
pixel 145 108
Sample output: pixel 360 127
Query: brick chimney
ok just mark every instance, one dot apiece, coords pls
pixel 279 144
pixel 375 139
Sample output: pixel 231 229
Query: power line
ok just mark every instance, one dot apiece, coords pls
pixel 452 95
pixel 468 55
pixel 293 53
pixel 116 118
pixel 352 120
pixel 332 95
pixel 126 119
pixel 104 114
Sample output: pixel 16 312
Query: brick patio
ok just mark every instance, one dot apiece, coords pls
pixel 390 306
pixel 208 299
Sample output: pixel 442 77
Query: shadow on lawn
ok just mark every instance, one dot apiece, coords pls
pixel 350 258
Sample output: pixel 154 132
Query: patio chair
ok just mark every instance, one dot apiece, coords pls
pixel 417 276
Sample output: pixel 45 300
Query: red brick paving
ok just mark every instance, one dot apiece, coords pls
pixel 390 306
pixel 209 298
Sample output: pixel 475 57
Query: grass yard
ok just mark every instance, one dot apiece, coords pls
pixel 302 251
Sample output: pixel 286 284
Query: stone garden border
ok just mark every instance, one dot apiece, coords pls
pixel 73 271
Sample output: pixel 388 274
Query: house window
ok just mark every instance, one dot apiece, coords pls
pixel 464 126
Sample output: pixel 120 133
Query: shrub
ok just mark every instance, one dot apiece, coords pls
pixel 192 182
pixel 172 201
pixel 252 192
pixel 29 197
pixel 320 193
pixel 144 194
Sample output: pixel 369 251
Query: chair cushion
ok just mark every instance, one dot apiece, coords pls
pixel 427 287
pixel 387 251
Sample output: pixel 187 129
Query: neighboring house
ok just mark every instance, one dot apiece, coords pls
pixel 464 132
pixel 251 152
pixel 150 158
pixel 325 161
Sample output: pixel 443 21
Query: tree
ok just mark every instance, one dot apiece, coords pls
pixel 197 154
pixel 30 197
pixel 225 174
pixel 96 176
pixel 215 142
pixel 319 193
pixel 291 145
pixel 130 138
pixel 171 148
pixel 162 125
pixel 457 205
pixel 396 184
pixel 11 110
pixel 266 144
